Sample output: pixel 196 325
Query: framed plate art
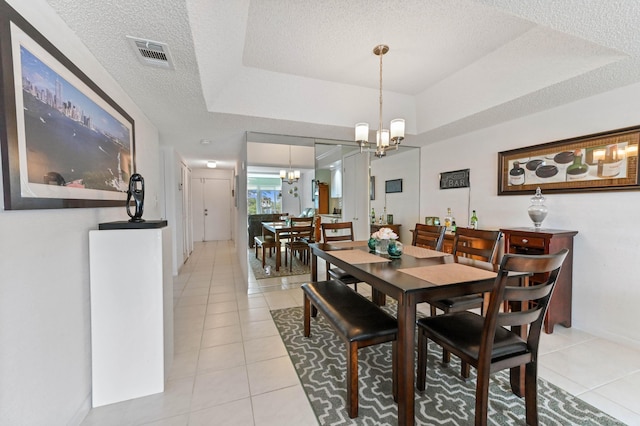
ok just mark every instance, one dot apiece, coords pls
pixel 599 162
pixel 64 142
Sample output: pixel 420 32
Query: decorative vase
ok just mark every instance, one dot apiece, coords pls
pixel 372 244
pixel 382 246
pixel 394 249
pixel 537 210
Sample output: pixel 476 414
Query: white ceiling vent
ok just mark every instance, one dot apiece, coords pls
pixel 152 53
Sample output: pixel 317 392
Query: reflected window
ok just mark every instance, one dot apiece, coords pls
pixel 264 194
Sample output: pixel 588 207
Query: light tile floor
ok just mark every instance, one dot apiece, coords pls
pixel 231 367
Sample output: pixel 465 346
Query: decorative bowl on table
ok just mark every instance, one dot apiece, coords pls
pixel 394 249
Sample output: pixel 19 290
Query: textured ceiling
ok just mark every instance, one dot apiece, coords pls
pixel 307 68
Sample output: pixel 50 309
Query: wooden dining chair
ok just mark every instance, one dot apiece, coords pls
pixel 478 244
pixel 486 343
pixel 334 232
pixel 296 221
pixel 428 236
pixel 298 237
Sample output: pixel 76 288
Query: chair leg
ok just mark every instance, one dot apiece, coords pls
pixel 446 356
pixel 531 393
pixel 291 263
pixel 394 369
pixel 422 360
pixel 482 396
pixel 307 316
pixel 352 380
pixel 263 258
pixel 464 369
pixel 433 311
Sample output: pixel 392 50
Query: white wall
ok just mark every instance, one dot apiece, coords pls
pixel 172 206
pixel 242 235
pixel 45 357
pixel 295 205
pixel 606 294
pixel 404 206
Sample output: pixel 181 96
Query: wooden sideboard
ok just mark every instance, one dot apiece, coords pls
pixel 547 241
pixel 395 228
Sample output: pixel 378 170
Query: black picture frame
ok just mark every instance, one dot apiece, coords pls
pixel 372 188
pixel 391 186
pixel 64 142
pixel 314 189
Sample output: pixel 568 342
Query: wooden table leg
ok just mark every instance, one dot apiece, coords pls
pixel 314 267
pixel 406 362
pixel 277 237
pixel 378 297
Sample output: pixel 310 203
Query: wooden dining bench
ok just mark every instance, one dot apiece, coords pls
pixel 358 322
pixel 265 243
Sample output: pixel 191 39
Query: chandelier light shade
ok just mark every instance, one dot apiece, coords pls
pixel 362 134
pixel 289 176
pixel 385 138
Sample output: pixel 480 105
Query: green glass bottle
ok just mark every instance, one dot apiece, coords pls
pixel 473 223
pixel 577 170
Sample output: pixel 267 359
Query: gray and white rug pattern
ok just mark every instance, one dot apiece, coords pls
pixel 449 400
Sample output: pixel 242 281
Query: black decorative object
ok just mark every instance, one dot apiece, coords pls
pixel 136 191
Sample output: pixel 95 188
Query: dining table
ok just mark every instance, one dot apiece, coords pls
pixel 278 229
pixel 417 276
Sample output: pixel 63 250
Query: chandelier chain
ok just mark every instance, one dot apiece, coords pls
pixel 381 55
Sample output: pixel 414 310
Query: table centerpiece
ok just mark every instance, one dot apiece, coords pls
pixel 383 240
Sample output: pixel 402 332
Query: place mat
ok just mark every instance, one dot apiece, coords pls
pixel 421 252
pixel 449 273
pixel 348 243
pixel 357 256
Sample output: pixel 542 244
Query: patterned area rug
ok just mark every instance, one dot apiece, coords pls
pixel 320 362
pixel 260 273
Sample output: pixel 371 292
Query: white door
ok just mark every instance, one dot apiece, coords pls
pixel 355 193
pixel 217 209
pixel 211 209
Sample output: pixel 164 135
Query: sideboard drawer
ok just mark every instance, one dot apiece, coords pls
pixel 526 241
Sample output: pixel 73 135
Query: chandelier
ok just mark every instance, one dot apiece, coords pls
pixel 384 137
pixel 291 175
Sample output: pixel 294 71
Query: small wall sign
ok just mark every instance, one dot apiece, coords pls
pixel 455 179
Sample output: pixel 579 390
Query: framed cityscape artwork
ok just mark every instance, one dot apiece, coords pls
pixel 599 162
pixel 65 143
